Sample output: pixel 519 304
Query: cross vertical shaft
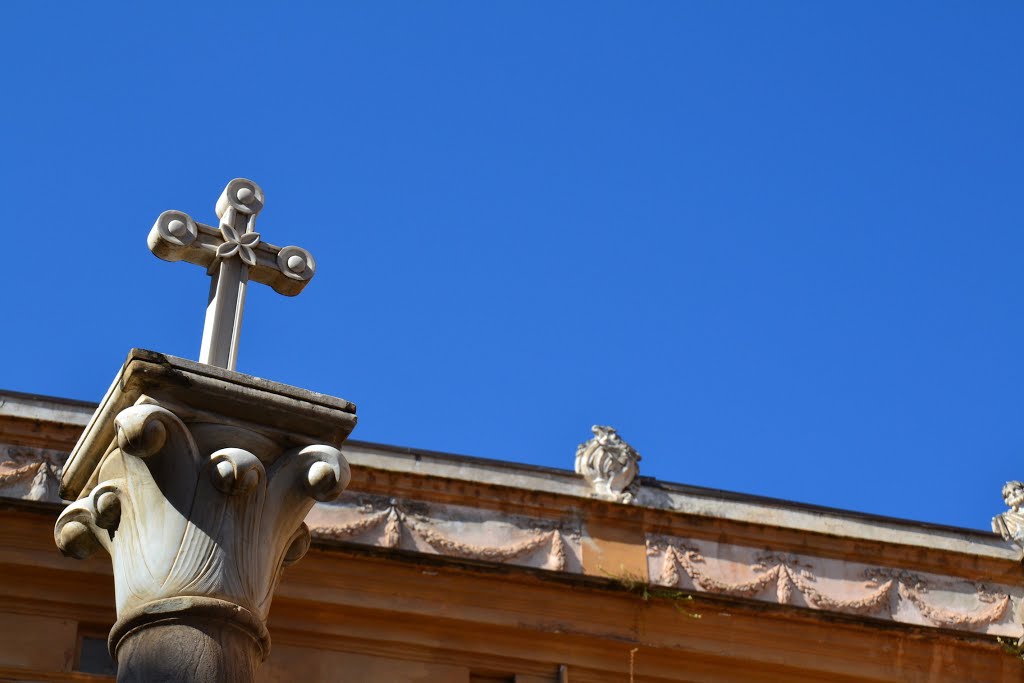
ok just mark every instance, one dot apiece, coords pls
pixel 228 283
pixel 223 324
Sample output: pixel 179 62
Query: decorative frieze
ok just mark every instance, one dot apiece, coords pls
pixel 487 535
pixel 834 585
pixel 449 530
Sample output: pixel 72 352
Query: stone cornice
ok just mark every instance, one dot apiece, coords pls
pixel 15 404
pixel 665 501
pixel 675 499
pixel 654 495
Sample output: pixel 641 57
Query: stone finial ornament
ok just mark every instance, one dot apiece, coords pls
pixel 610 465
pixel 1010 524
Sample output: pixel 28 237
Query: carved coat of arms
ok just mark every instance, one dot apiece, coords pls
pixel 609 464
pixel 1010 524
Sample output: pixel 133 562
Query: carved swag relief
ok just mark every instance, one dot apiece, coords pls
pixel 447 530
pixel 815 583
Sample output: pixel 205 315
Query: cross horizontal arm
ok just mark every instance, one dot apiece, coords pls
pixel 176 237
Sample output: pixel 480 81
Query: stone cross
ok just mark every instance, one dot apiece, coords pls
pixel 232 254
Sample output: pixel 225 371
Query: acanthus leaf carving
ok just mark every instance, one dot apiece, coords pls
pixel 178 523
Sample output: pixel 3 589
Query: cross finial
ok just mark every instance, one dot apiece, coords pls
pixel 232 254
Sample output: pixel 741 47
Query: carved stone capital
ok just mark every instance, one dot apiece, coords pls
pixel 196 481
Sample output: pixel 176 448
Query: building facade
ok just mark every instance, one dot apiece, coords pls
pixel 434 567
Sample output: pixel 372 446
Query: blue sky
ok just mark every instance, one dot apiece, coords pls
pixel 778 245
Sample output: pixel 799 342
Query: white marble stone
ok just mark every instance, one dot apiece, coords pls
pixel 610 465
pixel 232 253
pixel 196 481
pixel 1010 524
